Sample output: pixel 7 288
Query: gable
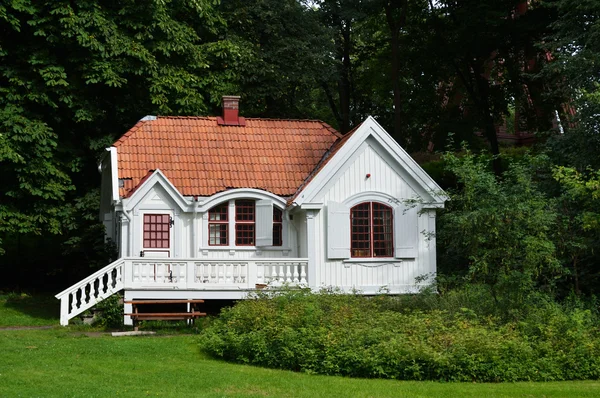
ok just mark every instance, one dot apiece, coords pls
pixel 369 169
pixel 370 160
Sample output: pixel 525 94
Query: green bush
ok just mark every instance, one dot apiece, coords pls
pixel 351 335
pixel 110 312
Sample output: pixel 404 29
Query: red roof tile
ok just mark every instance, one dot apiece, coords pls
pixel 202 158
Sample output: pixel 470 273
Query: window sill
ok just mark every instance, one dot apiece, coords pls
pixel 245 248
pixel 373 260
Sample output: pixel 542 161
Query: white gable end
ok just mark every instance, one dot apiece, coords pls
pixel 370 160
pixel 368 170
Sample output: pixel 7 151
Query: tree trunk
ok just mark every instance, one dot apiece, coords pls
pixel 344 82
pixel 395 24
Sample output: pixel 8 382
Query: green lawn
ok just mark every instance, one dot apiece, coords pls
pixel 65 362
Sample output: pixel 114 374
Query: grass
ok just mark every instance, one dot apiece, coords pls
pixel 80 362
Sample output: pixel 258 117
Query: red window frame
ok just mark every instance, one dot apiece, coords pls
pixel 372 227
pixel 277 226
pixel 245 222
pixel 218 225
pixel 157 231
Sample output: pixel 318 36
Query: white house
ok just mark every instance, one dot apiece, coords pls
pixel 215 207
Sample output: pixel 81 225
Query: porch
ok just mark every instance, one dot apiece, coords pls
pixel 180 278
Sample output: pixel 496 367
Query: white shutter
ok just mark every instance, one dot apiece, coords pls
pixel 406 231
pixel 338 230
pixel 264 223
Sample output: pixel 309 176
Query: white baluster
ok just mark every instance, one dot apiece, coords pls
pixel 136 272
pixel 288 274
pixel 213 273
pixel 243 273
pixel 144 272
pixel 228 273
pixel 260 272
pixel 221 273
pixel 303 273
pixel 296 274
pixel 236 273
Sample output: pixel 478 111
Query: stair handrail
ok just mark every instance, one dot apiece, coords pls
pixel 69 308
pixel 90 278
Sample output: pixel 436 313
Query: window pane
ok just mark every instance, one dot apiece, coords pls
pixel 360 217
pixel 244 234
pixel 382 231
pixel 277 227
pixel 217 234
pixel 156 231
pixel 244 210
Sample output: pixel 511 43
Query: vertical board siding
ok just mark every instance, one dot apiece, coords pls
pixel 353 179
pixel 368 276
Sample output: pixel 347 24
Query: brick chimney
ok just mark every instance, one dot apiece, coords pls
pixel 231 112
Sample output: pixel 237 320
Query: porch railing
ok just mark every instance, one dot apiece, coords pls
pixel 182 274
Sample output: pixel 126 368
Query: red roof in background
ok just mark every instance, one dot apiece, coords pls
pixel 202 158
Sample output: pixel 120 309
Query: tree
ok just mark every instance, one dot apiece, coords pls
pixel 73 75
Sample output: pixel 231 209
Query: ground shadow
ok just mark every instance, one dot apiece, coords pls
pixel 38 306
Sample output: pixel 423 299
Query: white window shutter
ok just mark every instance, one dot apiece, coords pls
pixel 338 230
pixel 264 223
pixel 406 231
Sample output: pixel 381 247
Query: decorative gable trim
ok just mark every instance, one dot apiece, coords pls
pixel 370 128
pixel 156 178
pixel 205 204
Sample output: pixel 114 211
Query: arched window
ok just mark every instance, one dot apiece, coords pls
pixel 372 226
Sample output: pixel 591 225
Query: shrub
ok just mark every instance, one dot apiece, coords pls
pixel 336 334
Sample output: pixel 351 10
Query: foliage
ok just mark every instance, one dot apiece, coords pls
pixel 338 334
pixel 110 312
pixel 49 362
pixel 73 74
pixel 497 231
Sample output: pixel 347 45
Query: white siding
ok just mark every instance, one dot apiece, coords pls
pixel 352 179
pixel 364 172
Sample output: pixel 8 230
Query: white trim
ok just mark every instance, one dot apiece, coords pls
pixel 207 203
pixel 171 250
pixel 114 173
pixel 370 128
pixel 372 196
pixel 157 178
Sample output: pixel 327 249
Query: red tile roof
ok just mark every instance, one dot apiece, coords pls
pixel 202 158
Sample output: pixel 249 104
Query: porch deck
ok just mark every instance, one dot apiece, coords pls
pixel 145 277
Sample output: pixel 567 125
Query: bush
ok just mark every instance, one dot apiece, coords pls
pixel 357 336
pixel 110 312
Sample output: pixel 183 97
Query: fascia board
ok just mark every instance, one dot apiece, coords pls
pixel 114 174
pixel 156 178
pixel 370 127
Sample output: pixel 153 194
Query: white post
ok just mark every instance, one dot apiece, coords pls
pixel 64 310
pixel 311 248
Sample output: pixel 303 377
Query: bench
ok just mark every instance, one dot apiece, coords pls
pixel 162 315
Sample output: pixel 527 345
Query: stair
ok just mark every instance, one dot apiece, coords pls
pixel 90 291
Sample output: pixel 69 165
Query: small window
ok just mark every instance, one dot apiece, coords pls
pixel 277 227
pixel 157 231
pixel 372 227
pixel 244 222
pixel 218 225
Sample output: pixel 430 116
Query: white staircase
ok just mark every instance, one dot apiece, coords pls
pixel 90 291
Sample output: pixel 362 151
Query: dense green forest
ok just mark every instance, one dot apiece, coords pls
pixel 438 75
